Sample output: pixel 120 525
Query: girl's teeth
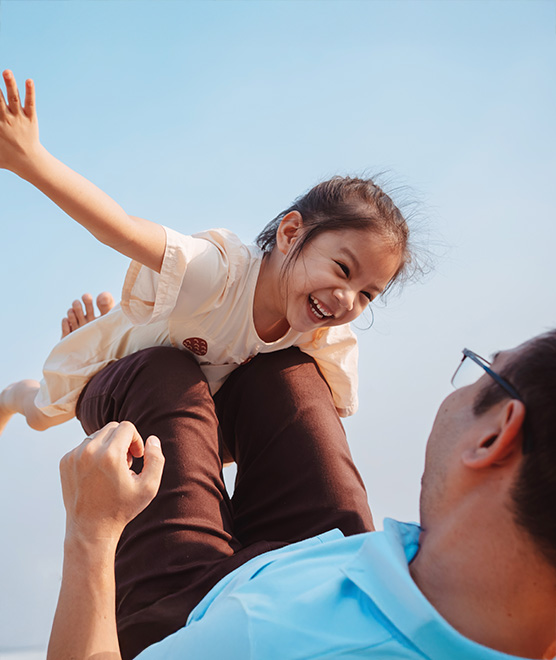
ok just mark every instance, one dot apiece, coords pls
pixel 317 313
pixel 315 303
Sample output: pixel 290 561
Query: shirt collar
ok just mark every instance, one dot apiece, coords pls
pixel 396 595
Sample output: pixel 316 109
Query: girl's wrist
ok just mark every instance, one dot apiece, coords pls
pixel 32 163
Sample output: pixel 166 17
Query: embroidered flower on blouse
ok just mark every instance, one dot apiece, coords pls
pixel 196 345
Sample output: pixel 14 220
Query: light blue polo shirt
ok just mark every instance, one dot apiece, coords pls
pixel 327 597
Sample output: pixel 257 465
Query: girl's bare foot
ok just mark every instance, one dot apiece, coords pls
pixel 12 399
pixel 20 398
pixel 6 413
pixel 77 317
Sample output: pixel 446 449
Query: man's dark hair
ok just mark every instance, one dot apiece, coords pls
pixel 533 374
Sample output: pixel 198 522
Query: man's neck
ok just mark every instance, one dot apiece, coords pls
pixel 494 589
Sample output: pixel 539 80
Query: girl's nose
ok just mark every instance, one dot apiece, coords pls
pixel 346 298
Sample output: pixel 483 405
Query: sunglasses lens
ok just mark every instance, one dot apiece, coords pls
pixel 468 373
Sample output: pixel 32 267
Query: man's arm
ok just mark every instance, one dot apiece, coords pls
pixel 101 495
pixel 22 153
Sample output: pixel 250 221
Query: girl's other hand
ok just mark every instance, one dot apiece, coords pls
pixel 77 318
pixel 19 127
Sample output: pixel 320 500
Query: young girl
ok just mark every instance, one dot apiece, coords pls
pixel 315 268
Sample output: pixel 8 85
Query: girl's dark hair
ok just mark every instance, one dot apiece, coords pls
pixel 347 203
pixel 533 374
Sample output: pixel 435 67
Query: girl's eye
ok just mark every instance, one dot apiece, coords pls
pixel 344 268
pixel 367 295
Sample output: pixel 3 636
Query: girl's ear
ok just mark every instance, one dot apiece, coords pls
pixel 501 437
pixel 288 231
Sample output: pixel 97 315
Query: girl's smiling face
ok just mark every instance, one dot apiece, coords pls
pixel 335 276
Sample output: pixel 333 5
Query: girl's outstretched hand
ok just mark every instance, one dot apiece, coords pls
pixel 19 127
pixel 22 153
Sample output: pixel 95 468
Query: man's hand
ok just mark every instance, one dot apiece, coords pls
pixel 101 493
pixel 19 127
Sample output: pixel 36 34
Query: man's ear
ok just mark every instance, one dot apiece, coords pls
pixel 501 436
pixel 288 231
pixel 550 652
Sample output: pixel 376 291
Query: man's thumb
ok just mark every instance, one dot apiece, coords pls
pixel 153 464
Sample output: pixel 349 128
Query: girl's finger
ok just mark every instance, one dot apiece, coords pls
pixel 105 302
pixel 78 311
pixel 65 328
pixel 72 320
pixel 89 309
pixel 3 105
pixel 12 91
pixel 29 98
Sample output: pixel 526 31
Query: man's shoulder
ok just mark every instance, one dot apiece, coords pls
pixel 330 557
pixel 329 596
pixel 315 595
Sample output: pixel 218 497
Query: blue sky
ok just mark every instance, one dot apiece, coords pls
pixel 218 114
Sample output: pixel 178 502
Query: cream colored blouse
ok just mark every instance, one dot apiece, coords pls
pixel 202 302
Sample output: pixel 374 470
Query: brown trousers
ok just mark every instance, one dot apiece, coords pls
pixel 295 476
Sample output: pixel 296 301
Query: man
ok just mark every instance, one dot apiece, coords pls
pixel 477 580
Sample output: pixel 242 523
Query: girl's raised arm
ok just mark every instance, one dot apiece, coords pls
pixel 22 153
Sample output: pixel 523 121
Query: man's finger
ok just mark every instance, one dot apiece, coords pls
pixel 137 447
pixel 78 451
pixel 153 465
pixel 126 440
pixel 103 435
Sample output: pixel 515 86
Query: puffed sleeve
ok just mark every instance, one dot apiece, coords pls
pixel 195 272
pixel 335 351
